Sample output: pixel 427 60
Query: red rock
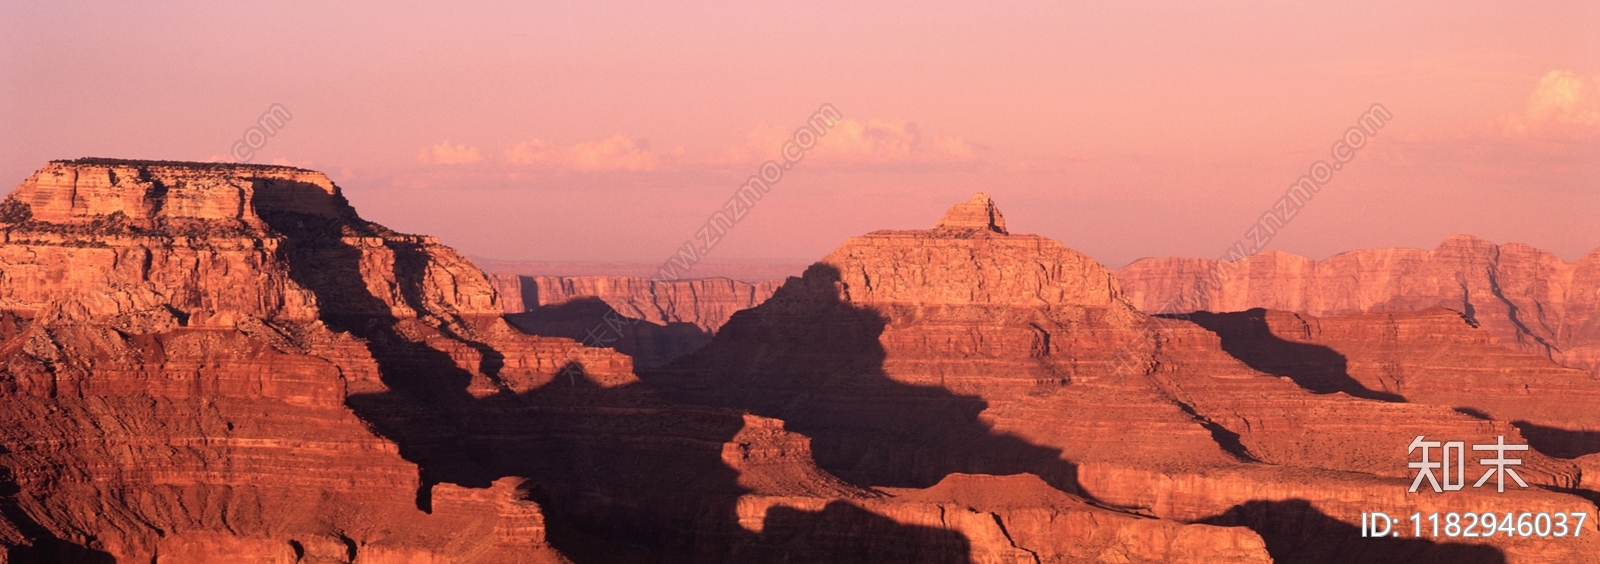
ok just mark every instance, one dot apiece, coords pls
pixel 1051 526
pixel 706 303
pixel 1528 298
pixel 750 272
pixel 1433 356
pixel 651 321
pixel 289 382
pixel 912 356
pixel 170 385
pixel 979 213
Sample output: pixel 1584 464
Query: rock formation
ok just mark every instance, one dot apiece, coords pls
pixel 1435 356
pixel 1529 299
pixel 909 357
pixel 174 389
pixel 209 363
pixel 706 303
pixel 664 320
pixel 979 213
pixel 751 272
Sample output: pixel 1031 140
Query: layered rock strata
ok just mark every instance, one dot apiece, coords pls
pixel 1434 356
pixel 752 272
pixel 706 303
pixel 911 356
pixel 206 363
pixel 174 392
pixel 663 320
pixel 1531 300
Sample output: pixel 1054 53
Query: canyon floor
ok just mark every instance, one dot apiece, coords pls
pixel 206 362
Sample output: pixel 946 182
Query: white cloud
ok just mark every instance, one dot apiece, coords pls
pixel 1563 104
pixel 448 153
pixel 874 141
pixel 617 152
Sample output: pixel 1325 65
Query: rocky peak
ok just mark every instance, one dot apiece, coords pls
pixel 968 258
pixel 977 213
pixel 1460 245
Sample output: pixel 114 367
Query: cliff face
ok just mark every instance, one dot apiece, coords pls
pixel 665 320
pixel 141 243
pixel 706 303
pixel 207 363
pixel 908 357
pixel 1434 356
pixel 173 389
pixel 752 272
pixel 250 371
pixel 1528 298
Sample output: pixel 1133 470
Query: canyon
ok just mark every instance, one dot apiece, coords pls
pixel 1527 298
pixel 216 363
pixel 749 271
pixel 211 363
pixel 668 319
pixel 911 355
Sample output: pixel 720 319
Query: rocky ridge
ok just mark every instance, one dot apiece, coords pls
pixel 213 362
pixel 252 370
pixel 1529 299
pixel 706 303
pixel 911 356
pixel 1432 356
pixel 173 389
pixel 664 319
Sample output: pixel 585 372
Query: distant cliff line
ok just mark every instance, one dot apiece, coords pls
pixel 1529 299
pixel 742 271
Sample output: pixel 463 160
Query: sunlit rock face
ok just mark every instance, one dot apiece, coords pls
pixel 705 303
pixel 175 389
pixel 978 214
pixel 221 363
pixel 1529 299
pixel 664 319
pixel 215 363
pixel 912 356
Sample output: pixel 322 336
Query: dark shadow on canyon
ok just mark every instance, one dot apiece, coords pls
pixel 816 362
pixel 1549 441
pixel 621 473
pixel 628 476
pixel 1229 441
pixel 1297 533
pixel 585 320
pixel 1318 369
pixel 46 547
pixel 1472 412
pixel 1558 442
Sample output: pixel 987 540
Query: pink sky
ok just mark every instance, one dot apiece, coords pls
pixel 609 132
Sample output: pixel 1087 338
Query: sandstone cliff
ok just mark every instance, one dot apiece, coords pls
pixel 209 363
pixel 206 363
pixel 173 389
pixel 1528 298
pixel 666 320
pixel 751 272
pixel 706 303
pixel 1434 356
pixel 908 357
